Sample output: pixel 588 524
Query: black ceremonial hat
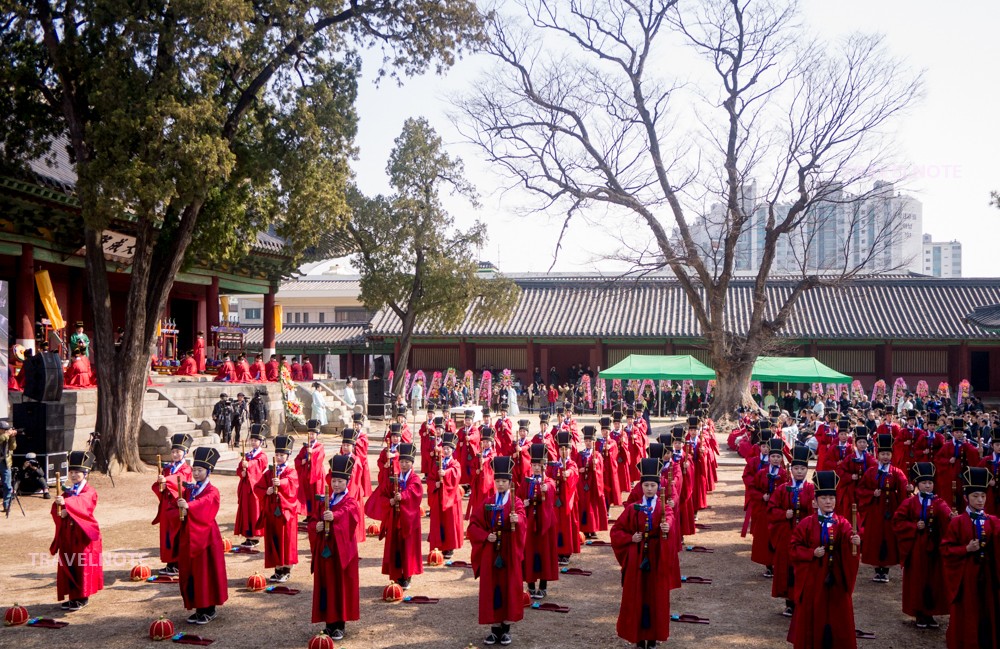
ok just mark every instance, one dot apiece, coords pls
pixel 649 469
pixel 656 450
pixel 450 440
pixel 503 467
pixel 921 471
pixel 538 453
pixel 284 444
pixel 589 432
pixel 776 446
pixel 83 461
pixel 405 452
pixel 564 439
pixel 341 466
pixel 181 441
pixel 975 479
pixel 800 455
pixel 826 483
pixel 257 431
pixel 206 457
pixel 349 435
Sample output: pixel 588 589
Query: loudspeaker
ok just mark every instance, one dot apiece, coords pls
pixel 41 428
pixel 43 377
pixel 376 398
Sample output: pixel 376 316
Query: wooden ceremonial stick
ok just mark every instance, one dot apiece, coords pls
pixel 180 494
pixel 329 499
pixel 854 524
pixel 59 493
pixel 159 466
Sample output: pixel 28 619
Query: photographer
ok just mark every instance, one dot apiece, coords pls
pixel 222 414
pixel 7 446
pixel 240 415
pixel 32 480
pixel 258 407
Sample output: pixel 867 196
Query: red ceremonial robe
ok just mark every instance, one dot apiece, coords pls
pixel 780 529
pixel 522 460
pixel 824 612
pixel 992 462
pixel 310 467
pixel 609 459
pixel 445 503
pixel 835 454
pixel 700 457
pixel 637 445
pixel 671 476
pixel 826 440
pixel 644 613
pixel 850 471
pixel 973 582
pixel 764 484
pixel 243 372
pixel 199 353
pixel 920 553
pixel 78 543
pixel 227 372
pixel 258 372
pixel 188 367
pixel 547 438
pixel 504 430
pixel 567 508
pixel 624 461
pixel 466 450
pixel 79 374
pixel 948 472
pixel 271 370
pixel 307 370
pixel 879 548
pixel 401 557
pixel 335 562
pixel 168 534
pixel 590 492
pixel 686 508
pixel 928 445
pixel 428 446
pixel 903 454
pixel 362 478
pixel 500 583
pixel 482 480
pixel 296 371
pixel 541 560
pixel 279 512
pixel 201 557
pixel 248 501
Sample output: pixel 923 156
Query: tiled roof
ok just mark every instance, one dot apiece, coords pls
pixel 987 317
pixel 884 308
pixel 351 283
pixel 340 335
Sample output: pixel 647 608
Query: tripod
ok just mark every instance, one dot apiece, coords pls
pixel 15 487
pixel 102 464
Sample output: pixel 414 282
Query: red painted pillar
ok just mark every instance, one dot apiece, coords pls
pixel 463 357
pixel 270 339
pixel 529 362
pixel 26 297
pixel 887 369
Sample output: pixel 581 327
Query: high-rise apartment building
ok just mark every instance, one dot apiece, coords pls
pixel 942 258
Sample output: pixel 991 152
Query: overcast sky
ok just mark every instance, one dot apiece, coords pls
pixel 950 140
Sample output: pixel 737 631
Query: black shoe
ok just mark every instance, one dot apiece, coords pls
pixel 542 593
pixel 404 583
pixel 932 623
pixel 788 612
pixel 193 618
pixel 46 495
pixel 448 555
pixel 276 576
pixel 921 622
pixel 768 573
pixel 337 634
pixel 204 618
pixel 65 605
pixel 491 639
pixel 77 604
pixel 505 639
pixel 533 594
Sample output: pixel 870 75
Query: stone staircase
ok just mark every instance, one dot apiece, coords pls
pixel 161 419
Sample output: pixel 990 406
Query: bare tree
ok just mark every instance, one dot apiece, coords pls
pixel 583 109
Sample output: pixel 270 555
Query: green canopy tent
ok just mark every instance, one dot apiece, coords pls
pixel 788 369
pixel 639 366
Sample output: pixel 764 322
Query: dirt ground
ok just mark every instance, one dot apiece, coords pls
pixel 738 602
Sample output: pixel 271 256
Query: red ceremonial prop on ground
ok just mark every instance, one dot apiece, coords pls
pixel 227 545
pixel 256 582
pixel 161 629
pixel 140 572
pixel 321 641
pixel 15 616
pixel 435 558
pixel 372 530
pixel 392 593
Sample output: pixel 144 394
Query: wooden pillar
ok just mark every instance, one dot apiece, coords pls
pixel 529 362
pixel 811 349
pixel 349 364
pixel 26 297
pixel 212 313
pixel 270 338
pixel 543 363
pixel 881 352
pixel 668 348
pixel 964 362
pixel 887 367
pixel 463 357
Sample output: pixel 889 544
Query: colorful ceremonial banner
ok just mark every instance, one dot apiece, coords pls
pixel 279 319
pixel 48 298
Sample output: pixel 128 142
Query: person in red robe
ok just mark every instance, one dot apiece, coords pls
pixel 904 445
pixel 271 370
pixel 537 494
pixel 468 447
pixel 590 489
pixel 880 492
pixel 278 489
pixel 165 488
pixel 78 373
pixel 242 370
pixel 355 488
pixel 430 438
pixel 497 533
pixel 250 470
pixel 286 366
pixel 637 444
pixel 226 371
pixel 188 366
pixel 200 553
pixel 992 463
pixel 928 445
pixel 671 485
pixel 405 434
pixel 333 533
pixel 310 467
pixel 789 504
pixel 388 457
pixel 971 549
pixel 850 471
pixel 919 523
pixel 77 542
pixel 361 477
pixel 837 451
pixel 609 459
pixel 444 498
pixel 700 456
pixel 827 435
pixel 824 556
pixel 642 545
pixel 521 453
pixel 400 496
pixel 566 475
pixel 764 485
pixel 481 467
pixel 545 436
pixel 504 428
pixel 296 369
pixel 307 370
pixel 258 372
pixel 956 455
pixel 199 351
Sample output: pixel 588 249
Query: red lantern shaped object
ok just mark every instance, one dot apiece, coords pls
pixel 321 641
pixel 15 616
pixel 140 572
pixel 583 538
pixel 392 593
pixel 525 598
pixel 227 545
pixel 373 530
pixel 256 582
pixel 435 558
pixel 161 629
